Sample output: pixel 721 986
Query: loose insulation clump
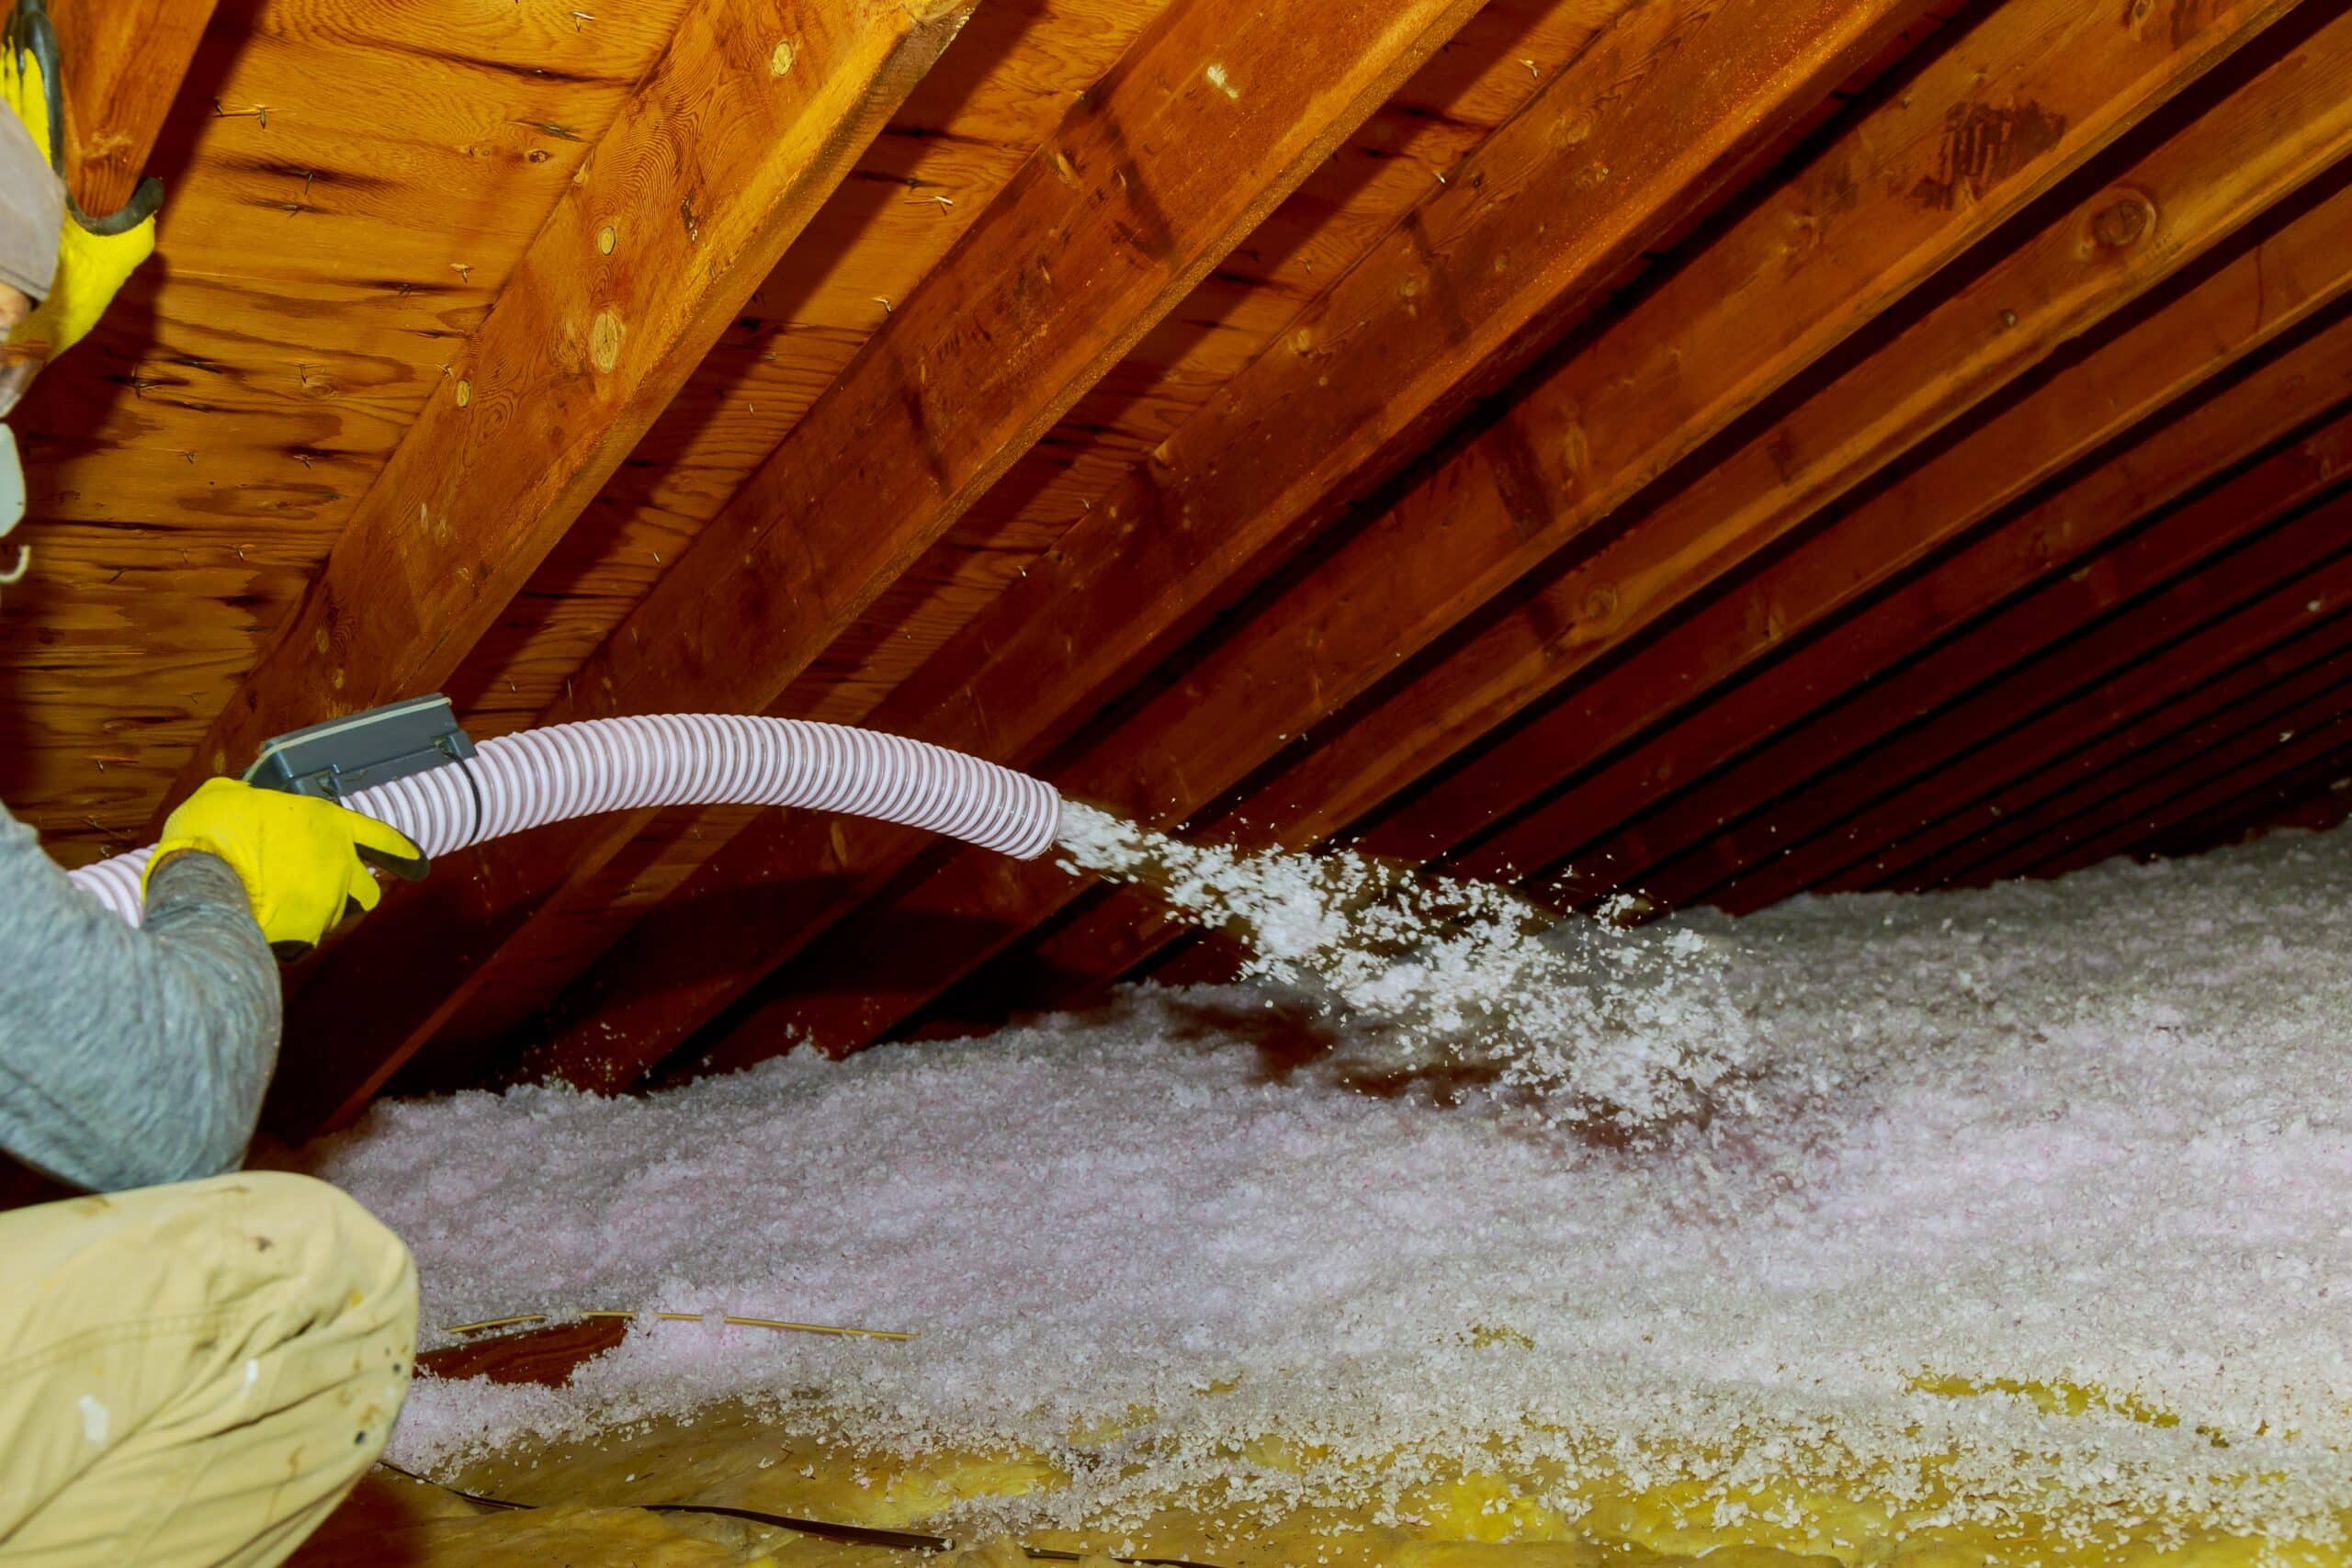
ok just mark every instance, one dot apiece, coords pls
pixel 1597 1023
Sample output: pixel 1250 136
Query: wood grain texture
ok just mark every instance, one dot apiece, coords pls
pixel 2214 762
pixel 124 60
pixel 1740 860
pixel 1520 234
pixel 961 135
pixel 1415 142
pixel 1477 81
pixel 1145 184
pixel 1902 524
pixel 1763 734
pixel 1777 729
pixel 1575 758
pixel 1997 596
pixel 1619 443
pixel 2052 728
pixel 2050 568
pixel 2201 185
pixel 712 168
pixel 2271 698
pixel 1583 439
pixel 344 219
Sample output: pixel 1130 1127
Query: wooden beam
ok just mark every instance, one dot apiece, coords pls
pixel 1988 828
pixel 1520 235
pixel 2207 789
pixel 1757 737
pixel 2040 815
pixel 1780 477
pixel 1148 182
pixel 2063 796
pixel 2262 296
pixel 2041 735
pixel 2188 194
pixel 1598 820
pixel 124 62
pixel 546 1356
pixel 2063 650
pixel 2005 596
pixel 1502 57
pixel 712 168
pixel 1447 548
pixel 2313 771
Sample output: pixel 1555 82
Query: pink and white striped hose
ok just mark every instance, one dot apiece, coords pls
pixel 621 765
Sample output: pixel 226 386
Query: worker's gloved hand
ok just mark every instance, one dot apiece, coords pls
pixel 303 861
pixel 90 267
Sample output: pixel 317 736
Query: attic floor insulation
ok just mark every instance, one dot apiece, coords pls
pixel 2021 1232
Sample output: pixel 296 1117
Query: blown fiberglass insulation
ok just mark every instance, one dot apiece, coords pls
pixel 2092 1136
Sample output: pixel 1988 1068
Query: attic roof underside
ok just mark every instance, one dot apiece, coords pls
pixel 1715 448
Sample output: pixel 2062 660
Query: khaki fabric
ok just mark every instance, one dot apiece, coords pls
pixel 195 1374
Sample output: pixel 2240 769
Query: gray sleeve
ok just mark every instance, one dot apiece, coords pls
pixel 129 1058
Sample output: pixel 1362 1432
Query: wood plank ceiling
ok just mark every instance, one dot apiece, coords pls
pixel 1710 449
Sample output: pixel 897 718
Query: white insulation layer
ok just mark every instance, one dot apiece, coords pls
pixel 620 764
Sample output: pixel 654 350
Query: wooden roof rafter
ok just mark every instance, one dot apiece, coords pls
pixel 2189 193
pixel 1243 478
pixel 1403 582
pixel 2051 804
pixel 714 165
pixel 124 62
pixel 959 138
pixel 1407 150
pixel 1609 744
pixel 1477 81
pixel 2023 612
pixel 1533 800
pixel 2308 769
pixel 965 374
pixel 2282 693
pixel 2188 630
pixel 1702 448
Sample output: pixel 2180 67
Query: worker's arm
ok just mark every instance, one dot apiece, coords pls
pixel 130 1056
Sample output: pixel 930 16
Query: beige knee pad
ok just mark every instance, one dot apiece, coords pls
pixel 195 1373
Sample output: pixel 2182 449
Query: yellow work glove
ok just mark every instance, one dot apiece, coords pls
pixel 303 861
pixel 90 267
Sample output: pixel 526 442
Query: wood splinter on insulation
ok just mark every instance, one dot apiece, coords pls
pixel 729 1318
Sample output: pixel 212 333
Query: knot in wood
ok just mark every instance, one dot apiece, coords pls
pixel 604 339
pixel 2124 223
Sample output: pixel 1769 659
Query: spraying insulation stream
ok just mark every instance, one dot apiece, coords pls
pixel 1608 1023
pixel 619 764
